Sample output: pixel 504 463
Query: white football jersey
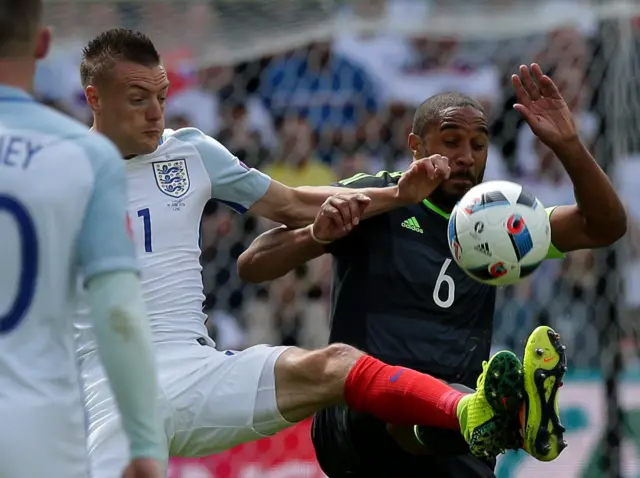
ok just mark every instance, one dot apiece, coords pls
pixel 167 191
pixel 62 213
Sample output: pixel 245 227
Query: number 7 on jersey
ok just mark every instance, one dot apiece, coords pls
pixel 146 223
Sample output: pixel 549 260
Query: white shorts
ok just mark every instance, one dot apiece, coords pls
pixel 43 440
pixel 210 401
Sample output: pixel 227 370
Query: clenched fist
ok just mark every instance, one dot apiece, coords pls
pixel 338 216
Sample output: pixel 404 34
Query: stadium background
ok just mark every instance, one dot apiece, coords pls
pixel 236 72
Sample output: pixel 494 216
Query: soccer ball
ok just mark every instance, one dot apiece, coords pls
pixel 499 233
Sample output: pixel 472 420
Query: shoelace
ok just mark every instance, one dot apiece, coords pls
pixel 480 381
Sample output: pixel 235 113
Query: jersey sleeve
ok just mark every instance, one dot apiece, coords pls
pixel 554 252
pixel 128 358
pixel 104 243
pixel 382 179
pixel 232 183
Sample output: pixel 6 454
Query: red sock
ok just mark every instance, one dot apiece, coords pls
pixel 401 396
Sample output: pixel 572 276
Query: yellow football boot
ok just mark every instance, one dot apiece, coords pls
pixel 545 363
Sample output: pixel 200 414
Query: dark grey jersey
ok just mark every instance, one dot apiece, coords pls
pixel 398 295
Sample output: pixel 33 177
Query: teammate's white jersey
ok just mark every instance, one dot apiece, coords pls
pixel 168 190
pixel 62 213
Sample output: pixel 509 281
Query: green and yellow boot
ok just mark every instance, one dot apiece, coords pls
pixel 545 363
pixel 486 415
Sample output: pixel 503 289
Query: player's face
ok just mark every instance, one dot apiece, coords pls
pixel 462 135
pixel 132 107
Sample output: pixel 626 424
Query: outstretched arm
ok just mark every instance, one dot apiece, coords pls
pixel 280 250
pixel 598 219
pixel 297 207
pixel 243 188
pixel 277 252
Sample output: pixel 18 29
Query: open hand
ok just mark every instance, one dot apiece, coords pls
pixel 338 216
pixel 543 107
pixel 423 176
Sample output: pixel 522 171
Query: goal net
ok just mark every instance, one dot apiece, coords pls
pixel 314 90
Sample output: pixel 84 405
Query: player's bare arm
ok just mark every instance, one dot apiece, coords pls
pixel 282 249
pixel 298 207
pixel 278 251
pixel 598 219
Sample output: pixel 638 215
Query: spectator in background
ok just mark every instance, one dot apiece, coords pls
pixel 334 94
pixel 628 181
pixel 225 329
pixel 380 52
pixel 199 101
pixel 57 80
pixel 436 66
pixel 203 100
pixel 296 163
pixel 354 162
pixel 241 136
pixel 294 309
pixel 177 122
pixel 564 47
pixel 571 306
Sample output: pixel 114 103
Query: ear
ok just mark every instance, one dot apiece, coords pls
pixel 93 97
pixel 43 43
pixel 416 146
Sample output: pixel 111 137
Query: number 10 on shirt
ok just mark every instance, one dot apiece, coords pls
pixel 146 223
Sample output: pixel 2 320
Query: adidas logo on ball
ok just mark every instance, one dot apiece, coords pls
pixel 484 249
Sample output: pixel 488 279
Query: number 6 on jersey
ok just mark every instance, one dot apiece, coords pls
pixel 443 278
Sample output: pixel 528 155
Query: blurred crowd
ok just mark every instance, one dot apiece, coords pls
pixel 335 107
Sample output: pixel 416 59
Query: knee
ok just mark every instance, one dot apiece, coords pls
pixel 334 362
pixel 324 370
